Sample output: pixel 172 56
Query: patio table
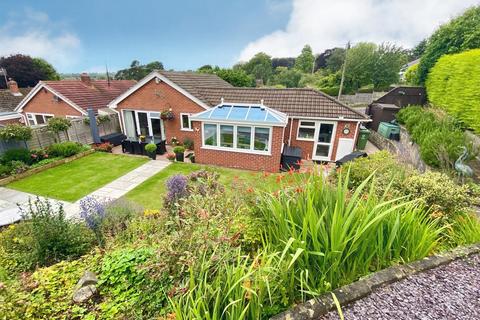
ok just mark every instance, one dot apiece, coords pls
pixel 134 146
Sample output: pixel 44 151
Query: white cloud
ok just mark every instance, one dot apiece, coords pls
pixel 328 23
pixel 33 33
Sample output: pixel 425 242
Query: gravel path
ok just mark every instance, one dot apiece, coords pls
pixel 447 292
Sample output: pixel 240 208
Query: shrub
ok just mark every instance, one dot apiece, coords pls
pixel 93 212
pixel 412 76
pixel 17 155
pixel 65 149
pixel 15 132
pixel 176 189
pixel 188 143
pixel 118 215
pixel 438 192
pixel 179 149
pixel 151 147
pixel 103 147
pixel 17 167
pixel 452 84
pixel 46 237
pixel 56 125
pixel 37 155
pixel 5 170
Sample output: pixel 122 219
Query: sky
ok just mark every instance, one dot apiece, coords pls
pixel 77 36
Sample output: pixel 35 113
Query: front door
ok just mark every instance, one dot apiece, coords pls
pixel 324 137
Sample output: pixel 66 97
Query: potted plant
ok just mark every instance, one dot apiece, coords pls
pixel 179 150
pixel 191 157
pixel 167 114
pixel 142 138
pixel 151 149
pixel 171 156
pixel 174 141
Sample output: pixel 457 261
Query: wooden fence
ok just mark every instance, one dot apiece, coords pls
pixel 78 132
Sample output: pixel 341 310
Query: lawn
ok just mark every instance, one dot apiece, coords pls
pixel 76 179
pixel 150 193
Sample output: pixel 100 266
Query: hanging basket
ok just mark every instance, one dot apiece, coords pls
pixel 167 115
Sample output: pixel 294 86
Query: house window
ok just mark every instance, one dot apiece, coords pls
pixel 244 137
pixel 262 138
pixel 306 130
pixel 226 136
pixel 210 134
pixel 185 122
pixel 241 138
pixel 35 119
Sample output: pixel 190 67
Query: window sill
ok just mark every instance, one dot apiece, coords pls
pixel 305 139
pixel 247 151
pixel 188 130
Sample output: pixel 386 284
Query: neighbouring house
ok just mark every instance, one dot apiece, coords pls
pixel 237 127
pixel 70 98
pixel 9 99
pixel 386 107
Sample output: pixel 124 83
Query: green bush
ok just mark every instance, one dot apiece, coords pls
pixel 452 84
pixel 18 167
pixel 188 143
pixel 5 170
pixel 331 91
pixel 46 237
pixel 17 155
pixel 179 149
pixel 412 76
pixel 15 132
pixel 65 149
pixel 465 229
pixel 439 137
pixel 151 147
pixel 459 34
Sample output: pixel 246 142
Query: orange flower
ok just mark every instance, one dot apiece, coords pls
pixel 266 174
pixel 249 189
pixel 279 178
pixel 298 190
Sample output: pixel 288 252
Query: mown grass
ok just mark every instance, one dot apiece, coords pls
pixel 76 179
pixel 150 193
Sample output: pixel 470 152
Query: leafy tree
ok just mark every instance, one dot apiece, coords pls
pixel 388 59
pixel 360 65
pixel 411 75
pixel 260 67
pixel 460 34
pixel 286 77
pixel 138 71
pixel 283 62
pixel 236 77
pixel 26 71
pixel 305 60
pixel 334 61
pixel 48 70
pixel 419 49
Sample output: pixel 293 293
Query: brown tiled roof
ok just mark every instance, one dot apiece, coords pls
pixel 8 102
pixel 294 102
pixel 192 81
pixel 96 96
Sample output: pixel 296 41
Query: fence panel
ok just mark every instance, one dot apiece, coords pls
pixel 78 132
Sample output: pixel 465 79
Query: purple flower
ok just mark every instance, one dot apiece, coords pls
pixel 92 211
pixel 177 188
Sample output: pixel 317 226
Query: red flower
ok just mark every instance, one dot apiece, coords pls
pixel 250 190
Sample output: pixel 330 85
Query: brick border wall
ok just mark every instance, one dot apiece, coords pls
pixel 239 160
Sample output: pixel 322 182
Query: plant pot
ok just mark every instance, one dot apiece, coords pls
pixel 179 157
pixel 192 159
pixel 152 155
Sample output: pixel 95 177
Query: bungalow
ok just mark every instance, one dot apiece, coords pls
pixel 69 98
pixel 9 99
pixel 237 127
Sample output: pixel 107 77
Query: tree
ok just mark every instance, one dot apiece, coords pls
pixel 26 71
pixel 411 75
pixel 260 67
pixel 138 71
pixel 305 60
pixel 359 66
pixel 236 77
pixel 334 61
pixel 47 69
pixel 460 34
pixel 419 49
pixel 286 77
pixel 388 60
pixel 283 62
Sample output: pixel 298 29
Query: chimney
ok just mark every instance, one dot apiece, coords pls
pixel 86 79
pixel 13 86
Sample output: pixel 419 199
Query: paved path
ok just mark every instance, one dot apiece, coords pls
pixel 9 198
pixel 448 292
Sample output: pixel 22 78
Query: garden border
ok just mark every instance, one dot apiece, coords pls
pixel 30 172
pixel 347 294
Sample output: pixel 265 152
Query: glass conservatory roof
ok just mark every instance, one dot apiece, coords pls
pixel 253 113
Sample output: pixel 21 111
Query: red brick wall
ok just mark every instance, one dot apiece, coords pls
pixel 43 102
pixel 160 97
pixel 307 146
pixel 9 121
pixel 240 160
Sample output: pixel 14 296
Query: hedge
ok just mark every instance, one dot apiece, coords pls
pixel 454 85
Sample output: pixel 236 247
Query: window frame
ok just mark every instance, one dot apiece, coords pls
pixel 251 150
pixel 314 127
pixel 182 127
pixel 34 119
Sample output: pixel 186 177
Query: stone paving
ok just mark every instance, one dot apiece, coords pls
pixel 10 199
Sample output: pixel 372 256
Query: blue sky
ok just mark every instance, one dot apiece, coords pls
pixel 181 34
pixel 83 35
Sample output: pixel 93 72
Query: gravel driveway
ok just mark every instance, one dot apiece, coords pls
pixel 447 292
